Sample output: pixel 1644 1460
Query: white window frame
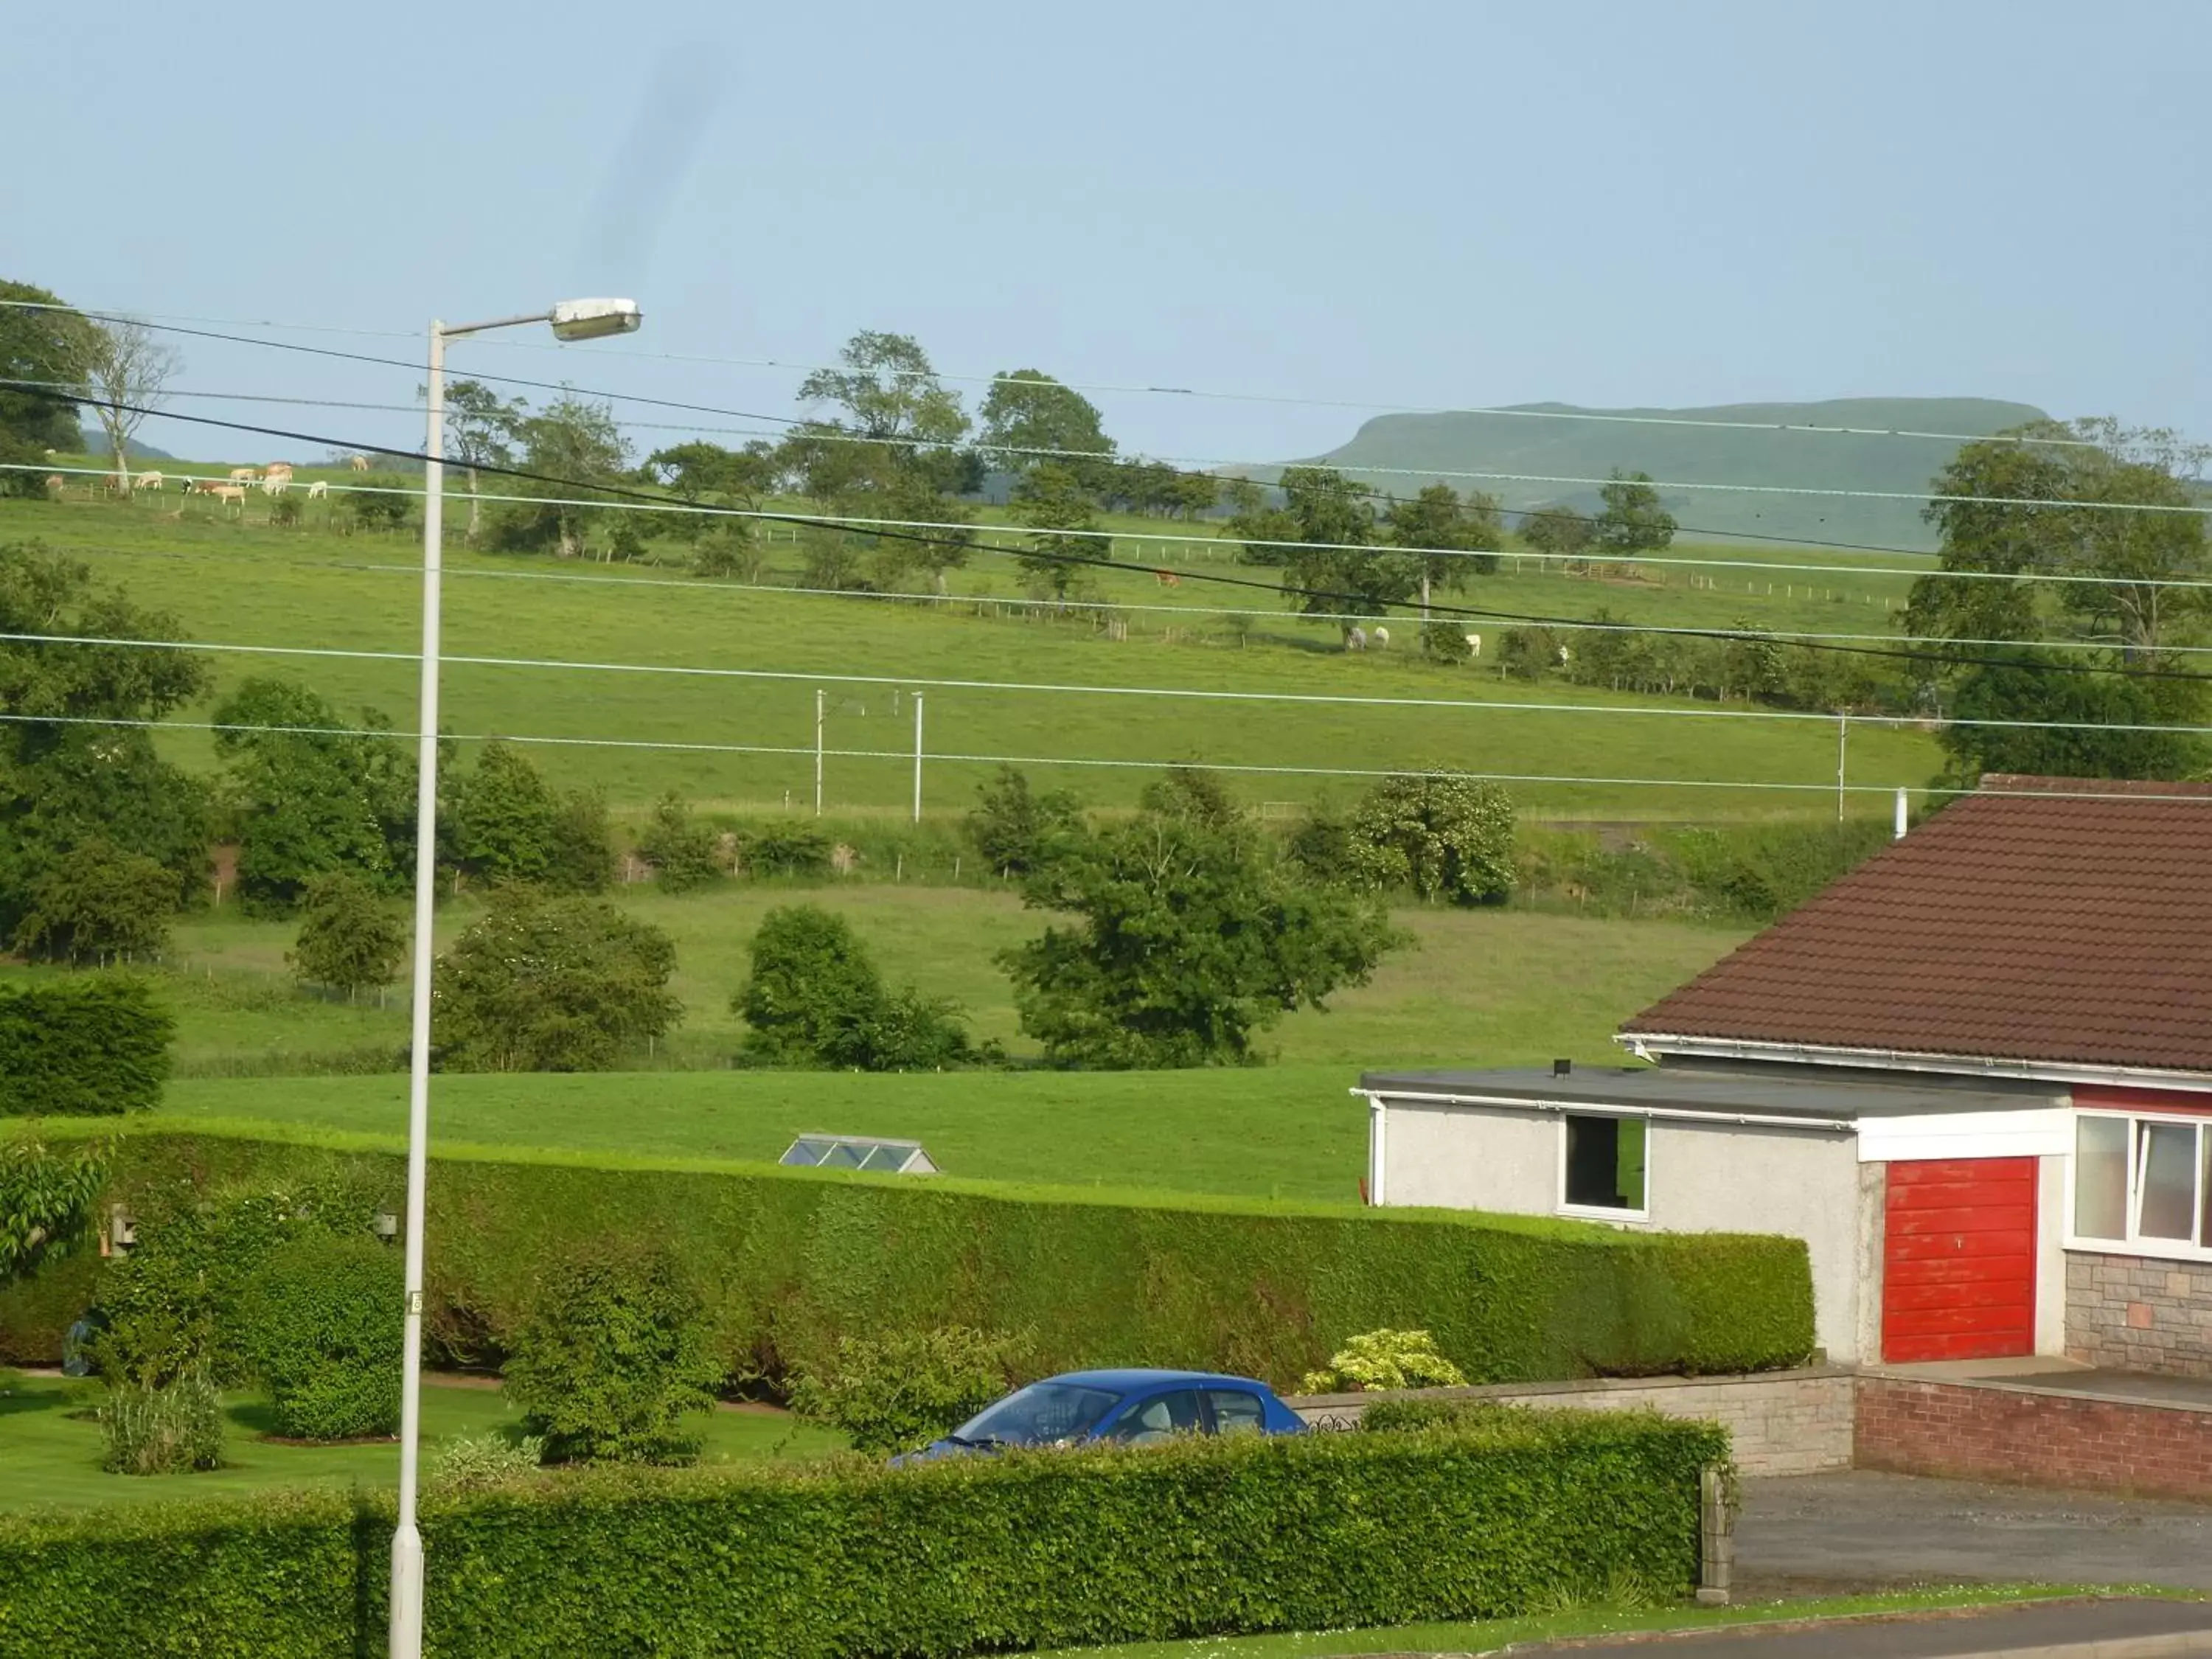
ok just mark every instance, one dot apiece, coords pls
pixel 2168 1249
pixel 1600 1212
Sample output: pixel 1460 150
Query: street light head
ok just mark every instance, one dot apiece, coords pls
pixel 594 319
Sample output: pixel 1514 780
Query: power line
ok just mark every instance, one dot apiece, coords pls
pixel 1612 417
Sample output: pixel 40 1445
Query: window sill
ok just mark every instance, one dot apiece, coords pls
pixel 1594 1212
pixel 2151 1249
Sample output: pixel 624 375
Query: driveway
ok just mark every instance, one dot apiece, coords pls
pixel 1832 1533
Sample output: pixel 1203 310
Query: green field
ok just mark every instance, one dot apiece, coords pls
pixel 246 582
pixel 49 1447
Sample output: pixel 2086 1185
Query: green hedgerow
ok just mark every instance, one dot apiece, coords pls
pixel 904 1391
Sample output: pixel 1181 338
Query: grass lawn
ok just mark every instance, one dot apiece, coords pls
pixel 50 1454
pixel 248 583
pixel 1492 1636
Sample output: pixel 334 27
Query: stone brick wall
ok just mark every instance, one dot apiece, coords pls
pixel 2139 1314
pixel 2014 1432
pixel 1782 1422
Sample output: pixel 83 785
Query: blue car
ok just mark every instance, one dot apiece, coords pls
pixel 1120 1408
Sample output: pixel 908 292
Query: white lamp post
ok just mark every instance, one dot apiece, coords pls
pixel 572 319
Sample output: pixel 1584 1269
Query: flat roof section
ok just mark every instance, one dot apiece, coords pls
pixel 1724 1093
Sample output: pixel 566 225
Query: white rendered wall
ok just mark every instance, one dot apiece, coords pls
pixel 1722 1177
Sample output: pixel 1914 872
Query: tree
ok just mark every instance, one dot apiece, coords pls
pixel 550 985
pixel 123 370
pixel 481 430
pixel 1634 521
pixel 1446 536
pixel 311 795
pixel 576 441
pixel 1559 529
pixel 680 848
pixel 1190 937
pixel 504 818
pixel 707 475
pixel 1028 418
pixel 1014 828
pixel 1321 539
pixel 889 393
pixel 40 350
pixel 65 786
pixel 349 939
pixel 1052 502
pixel 815 999
pixel 580 857
pixel 98 904
pixel 1446 837
pixel 46 1201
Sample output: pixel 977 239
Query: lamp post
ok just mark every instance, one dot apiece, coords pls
pixel 572 319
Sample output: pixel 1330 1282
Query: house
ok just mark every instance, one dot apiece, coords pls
pixel 1975 1076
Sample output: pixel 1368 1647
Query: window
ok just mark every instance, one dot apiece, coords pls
pixel 1043 1414
pixel 1605 1164
pixel 1159 1418
pixel 2143 1182
pixel 1236 1411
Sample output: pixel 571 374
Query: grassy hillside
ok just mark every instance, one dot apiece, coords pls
pixel 1506 443
pixel 243 581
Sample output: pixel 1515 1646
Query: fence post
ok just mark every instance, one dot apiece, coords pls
pixel 817 751
pixel 917 757
pixel 1843 746
pixel 1715 1540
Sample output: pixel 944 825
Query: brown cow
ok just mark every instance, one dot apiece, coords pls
pixel 1167 579
pixel 358 463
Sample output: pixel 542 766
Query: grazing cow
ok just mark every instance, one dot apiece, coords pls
pixel 1474 645
pixel 152 481
pixel 1356 640
pixel 358 463
pixel 1167 579
pixel 55 483
pixel 230 495
pixel 1382 638
pixel 278 470
pixel 317 490
pixel 244 475
pixel 275 484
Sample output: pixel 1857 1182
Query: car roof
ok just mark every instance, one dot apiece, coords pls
pixel 1130 1379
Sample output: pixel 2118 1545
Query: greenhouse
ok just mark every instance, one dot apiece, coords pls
pixel 859 1152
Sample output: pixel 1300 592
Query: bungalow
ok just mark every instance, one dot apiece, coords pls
pixel 1975 1076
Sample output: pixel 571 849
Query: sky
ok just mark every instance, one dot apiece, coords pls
pixel 1393 204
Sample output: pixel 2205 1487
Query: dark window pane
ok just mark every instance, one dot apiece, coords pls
pixel 1605 1163
pixel 1159 1418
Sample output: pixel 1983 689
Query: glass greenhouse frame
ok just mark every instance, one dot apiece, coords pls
pixel 814 1151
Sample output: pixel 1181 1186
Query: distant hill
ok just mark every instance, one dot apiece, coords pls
pixel 96 445
pixel 1421 446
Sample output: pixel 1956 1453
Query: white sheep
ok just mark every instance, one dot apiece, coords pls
pixel 1382 637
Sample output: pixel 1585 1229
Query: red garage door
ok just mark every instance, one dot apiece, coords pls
pixel 1957 1278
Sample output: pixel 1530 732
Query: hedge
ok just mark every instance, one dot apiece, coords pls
pixel 86 1044
pixel 791 1260
pixel 850 1560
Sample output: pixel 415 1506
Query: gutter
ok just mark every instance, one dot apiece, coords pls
pixel 1377 1099
pixel 1647 1045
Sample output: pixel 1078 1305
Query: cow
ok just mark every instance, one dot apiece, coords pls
pixel 277 469
pixel 1355 639
pixel 230 495
pixel 1382 637
pixel 317 490
pixel 1566 656
pixel 152 481
pixel 55 483
pixel 358 463
pixel 1474 645
pixel 244 475
pixel 1167 579
pixel 275 484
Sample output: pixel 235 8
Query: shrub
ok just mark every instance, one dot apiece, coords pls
pixel 1385 1359
pixel 81 1046
pixel 580 856
pixel 349 939
pixel 503 817
pixel 471 1463
pixel 550 985
pixel 854 1561
pixel 1446 642
pixel 1013 827
pixel 1446 837
pixel 168 1430
pixel 324 1334
pixel 610 1357
pixel 728 551
pixel 901 1392
pixel 815 999
pixel 791 1260
pixel 96 904
pixel 379 502
pixel 785 849
pixel 47 1200
pixel 680 848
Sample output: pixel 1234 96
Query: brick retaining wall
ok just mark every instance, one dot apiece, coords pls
pixel 1782 1422
pixel 2036 1437
pixel 2135 1313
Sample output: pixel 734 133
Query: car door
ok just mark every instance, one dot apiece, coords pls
pixel 1158 1417
pixel 1234 1410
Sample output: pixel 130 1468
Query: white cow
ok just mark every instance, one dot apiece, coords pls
pixel 1566 656
pixel 275 484
pixel 152 481
pixel 358 463
pixel 244 475
pixel 230 495
pixel 1382 638
pixel 317 490
pixel 1356 640
pixel 1474 645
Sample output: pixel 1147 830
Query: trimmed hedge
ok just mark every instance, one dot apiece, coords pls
pixel 86 1045
pixel 793 1260
pixel 852 1561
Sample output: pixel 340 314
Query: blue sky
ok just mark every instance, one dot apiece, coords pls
pixel 1404 204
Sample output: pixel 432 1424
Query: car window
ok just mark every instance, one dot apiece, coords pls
pixel 1236 1411
pixel 1157 1418
pixel 1040 1415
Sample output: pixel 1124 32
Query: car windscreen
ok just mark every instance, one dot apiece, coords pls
pixel 1040 1415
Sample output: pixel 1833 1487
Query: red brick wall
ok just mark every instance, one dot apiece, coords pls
pixel 1985 1433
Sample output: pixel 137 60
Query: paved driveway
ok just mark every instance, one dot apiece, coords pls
pixel 1826 1533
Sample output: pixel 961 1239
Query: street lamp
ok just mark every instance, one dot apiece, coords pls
pixel 571 319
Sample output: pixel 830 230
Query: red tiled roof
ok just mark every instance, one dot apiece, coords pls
pixel 2059 919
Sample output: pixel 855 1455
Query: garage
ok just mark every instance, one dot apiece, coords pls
pixel 1959 1259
